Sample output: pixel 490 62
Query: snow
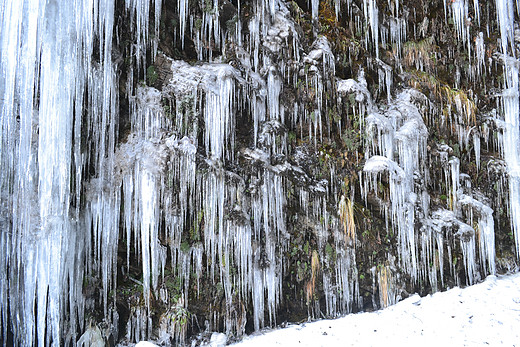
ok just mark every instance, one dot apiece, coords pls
pixel 217 340
pixel 379 163
pixel 484 314
pixel 145 344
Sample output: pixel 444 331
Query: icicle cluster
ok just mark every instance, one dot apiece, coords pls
pixel 399 134
pixel 510 105
pixel 220 173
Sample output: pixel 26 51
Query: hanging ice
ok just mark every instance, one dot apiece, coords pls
pixel 372 20
pixel 400 130
pixel 510 108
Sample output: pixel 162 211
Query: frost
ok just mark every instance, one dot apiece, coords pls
pixel 358 88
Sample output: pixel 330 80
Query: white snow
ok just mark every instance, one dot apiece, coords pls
pixel 217 340
pixel 145 344
pixel 484 314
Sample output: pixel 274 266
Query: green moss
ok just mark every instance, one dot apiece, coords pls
pixel 292 136
pixel 208 7
pixel 231 24
pixel 330 253
pixel 185 247
pixel 151 75
pixel 198 24
pixel 306 247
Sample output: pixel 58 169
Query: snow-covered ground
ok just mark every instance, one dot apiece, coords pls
pixel 486 314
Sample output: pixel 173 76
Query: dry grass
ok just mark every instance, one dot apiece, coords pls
pixel 315 266
pixel 463 104
pixel 420 54
pixel 454 99
pixel 385 280
pixel 346 216
pixel 310 287
pixel 421 80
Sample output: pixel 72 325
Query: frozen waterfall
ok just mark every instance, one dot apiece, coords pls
pixel 173 168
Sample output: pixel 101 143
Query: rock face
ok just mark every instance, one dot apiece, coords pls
pixel 173 170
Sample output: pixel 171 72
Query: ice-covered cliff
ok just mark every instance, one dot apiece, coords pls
pixel 172 168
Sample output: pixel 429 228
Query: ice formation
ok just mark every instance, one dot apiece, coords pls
pixel 510 108
pixel 399 133
pixel 372 17
pixel 173 192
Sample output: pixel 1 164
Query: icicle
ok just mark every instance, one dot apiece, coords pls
pixel 274 87
pixel 431 254
pixel 454 183
pixel 510 108
pixel 372 19
pixel 459 10
pixel 140 13
pixel 476 147
pixel 404 122
pixel 486 232
pixel 510 104
pixel 53 56
pixel 218 83
pixel 476 8
pixel 467 244
pixel 505 16
pixel 182 6
pixel 397 33
pixel 480 51
pixel 385 78
pixel 315 5
pixel 444 222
